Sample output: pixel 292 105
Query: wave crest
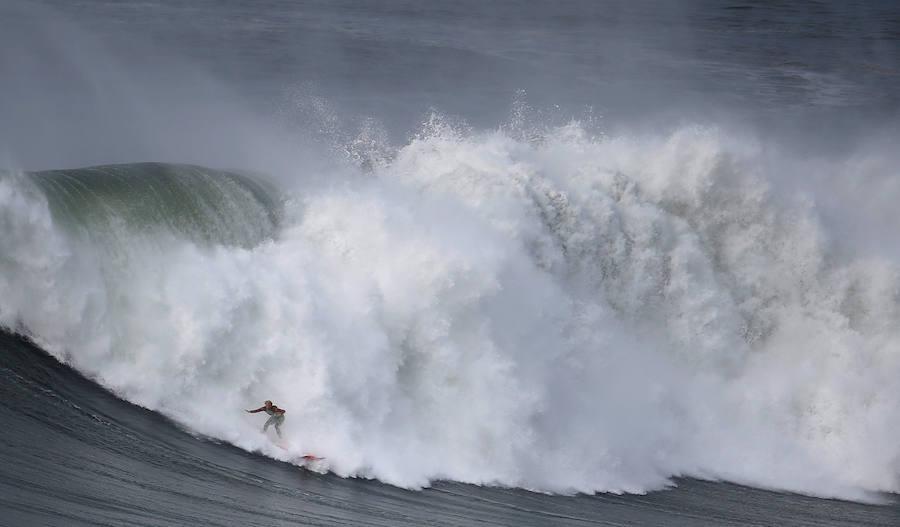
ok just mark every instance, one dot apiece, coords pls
pixel 566 313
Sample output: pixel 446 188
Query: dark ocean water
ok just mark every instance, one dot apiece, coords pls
pixel 821 74
pixel 73 454
pixel 491 251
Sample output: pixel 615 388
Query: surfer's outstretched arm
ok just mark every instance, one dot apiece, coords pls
pixel 269 408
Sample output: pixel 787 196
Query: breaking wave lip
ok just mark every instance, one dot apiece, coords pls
pixel 561 312
pixel 202 204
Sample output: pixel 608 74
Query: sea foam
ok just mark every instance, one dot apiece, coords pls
pixel 560 312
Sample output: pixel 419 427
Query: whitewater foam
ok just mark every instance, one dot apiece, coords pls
pixel 563 313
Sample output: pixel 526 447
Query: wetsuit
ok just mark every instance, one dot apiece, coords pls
pixel 276 417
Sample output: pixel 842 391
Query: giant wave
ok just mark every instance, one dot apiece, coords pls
pixel 562 312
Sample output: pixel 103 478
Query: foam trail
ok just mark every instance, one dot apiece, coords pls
pixel 563 313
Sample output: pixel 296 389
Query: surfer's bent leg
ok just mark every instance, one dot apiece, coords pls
pixel 274 420
pixel 269 421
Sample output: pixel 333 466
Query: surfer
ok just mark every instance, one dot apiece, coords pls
pixel 276 416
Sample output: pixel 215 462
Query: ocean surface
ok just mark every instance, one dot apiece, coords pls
pixel 503 263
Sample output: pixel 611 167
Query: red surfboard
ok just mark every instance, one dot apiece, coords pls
pixel 304 457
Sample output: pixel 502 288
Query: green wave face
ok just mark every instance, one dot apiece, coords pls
pixel 206 206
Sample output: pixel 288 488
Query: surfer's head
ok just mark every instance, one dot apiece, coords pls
pixel 268 403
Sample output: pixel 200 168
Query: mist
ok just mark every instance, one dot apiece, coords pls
pixel 572 248
pixel 96 82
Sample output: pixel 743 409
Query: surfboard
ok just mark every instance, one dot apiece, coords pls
pixel 304 457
